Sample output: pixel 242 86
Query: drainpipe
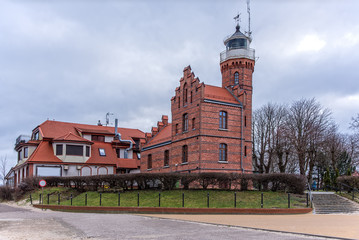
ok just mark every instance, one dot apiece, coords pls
pixel 118 135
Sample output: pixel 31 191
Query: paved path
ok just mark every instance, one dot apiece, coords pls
pixel 21 224
pixel 334 225
pixel 331 203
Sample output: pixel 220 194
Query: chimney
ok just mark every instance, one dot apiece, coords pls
pixel 148 136
pixel 154 131
pixel 165 120
pixel 160 125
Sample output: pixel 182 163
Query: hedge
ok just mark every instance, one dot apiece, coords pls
pixel 167 181
pixel 352 181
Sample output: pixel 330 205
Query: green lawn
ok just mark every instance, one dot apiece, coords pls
pixel 192 198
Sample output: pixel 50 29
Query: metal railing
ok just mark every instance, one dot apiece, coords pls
pixel 237 53
pixel 22 139
pixel 348 188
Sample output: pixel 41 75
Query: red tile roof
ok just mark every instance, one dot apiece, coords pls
pixel 110 158
pixel 44 153
pixel 218 94
pixel 162 136
pixel 56 129
pixel 72 137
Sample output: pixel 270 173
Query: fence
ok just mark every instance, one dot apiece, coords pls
pixel 180 199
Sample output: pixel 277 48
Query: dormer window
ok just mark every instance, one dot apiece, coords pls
pixel 58 149
pixel 36 136
pixel 26 152
pixel 98 138
pixel 75 150
pixel 102 152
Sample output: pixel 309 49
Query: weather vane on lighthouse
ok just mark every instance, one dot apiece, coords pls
pixel 237 19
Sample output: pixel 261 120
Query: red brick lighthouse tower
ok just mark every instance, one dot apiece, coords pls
pixel 211 125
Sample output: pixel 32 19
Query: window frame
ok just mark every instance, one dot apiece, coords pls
pixel 184 154
pixel 102 152
pixel 73 151
pixel 236 78
pixel 223 120
pixel 185 122
pixel 87 151
pixel 149 161
pixel 26 152
pixel 166 158
pixel 223 152
pixel 59 148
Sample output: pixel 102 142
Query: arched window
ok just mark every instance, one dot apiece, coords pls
pixel 193 123
pixel 223 152
pixel 236 78
pixel 184 154
pixel 149 161
pixel 185 122
pixel 185 94
pixel 166 158
pixel 223 119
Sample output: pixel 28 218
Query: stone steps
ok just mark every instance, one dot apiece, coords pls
pixel 330 203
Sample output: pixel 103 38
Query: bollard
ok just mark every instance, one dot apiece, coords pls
pixel 100 198
pixel 138 199
pixel 159 199
pixel 58 199
pixel 30 199
pixel 71 199
pixel 85 199
pixel 307 199
pixel 288 200
pixel 261 200
pixel 208 200
pixel 119 199
pixel 182 199
pixel 235 199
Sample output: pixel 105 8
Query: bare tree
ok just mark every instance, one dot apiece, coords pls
pixel 270 150
pixel 306 123
pixel 3 168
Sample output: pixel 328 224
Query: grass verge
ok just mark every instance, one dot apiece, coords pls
pixel 153 198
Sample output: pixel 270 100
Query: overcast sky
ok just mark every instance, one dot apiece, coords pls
pixel 77 60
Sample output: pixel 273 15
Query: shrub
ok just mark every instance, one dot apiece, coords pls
pixel 6 193
pixel 352 181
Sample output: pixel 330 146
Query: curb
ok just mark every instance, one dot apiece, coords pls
pixel 164 210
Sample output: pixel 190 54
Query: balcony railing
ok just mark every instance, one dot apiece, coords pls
pixel 237 53
pixel 22 139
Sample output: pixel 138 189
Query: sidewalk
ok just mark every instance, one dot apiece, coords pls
pixel 334 225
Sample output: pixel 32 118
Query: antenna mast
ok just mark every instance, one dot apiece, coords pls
pixel 249 19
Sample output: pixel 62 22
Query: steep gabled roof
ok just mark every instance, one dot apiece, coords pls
pixel 164 135
pixel 44 153
pixel 72 138
pixel 218 94
pixel 110 158
pixel 55 129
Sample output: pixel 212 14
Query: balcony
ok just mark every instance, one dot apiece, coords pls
pixel 237 53
pixel 22 139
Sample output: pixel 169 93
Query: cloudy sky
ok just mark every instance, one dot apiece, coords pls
pixel 77 60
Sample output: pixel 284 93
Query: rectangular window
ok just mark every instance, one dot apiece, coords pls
pixel 245 151
pixel 58 149
pixel 184 154
pixel 87 151
pixel 191 96
pixel 98 138
pixel 149 161
pixel 19 155
pixel 179 102
pixel 74 150
pixel 223 120
pixel 223 152
pixel 102 152
pixel 193 123
pixel 176 128
pixel 245 121
pixel 118 153
pixel 26 152
pixel 185 122
pixel 166 158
